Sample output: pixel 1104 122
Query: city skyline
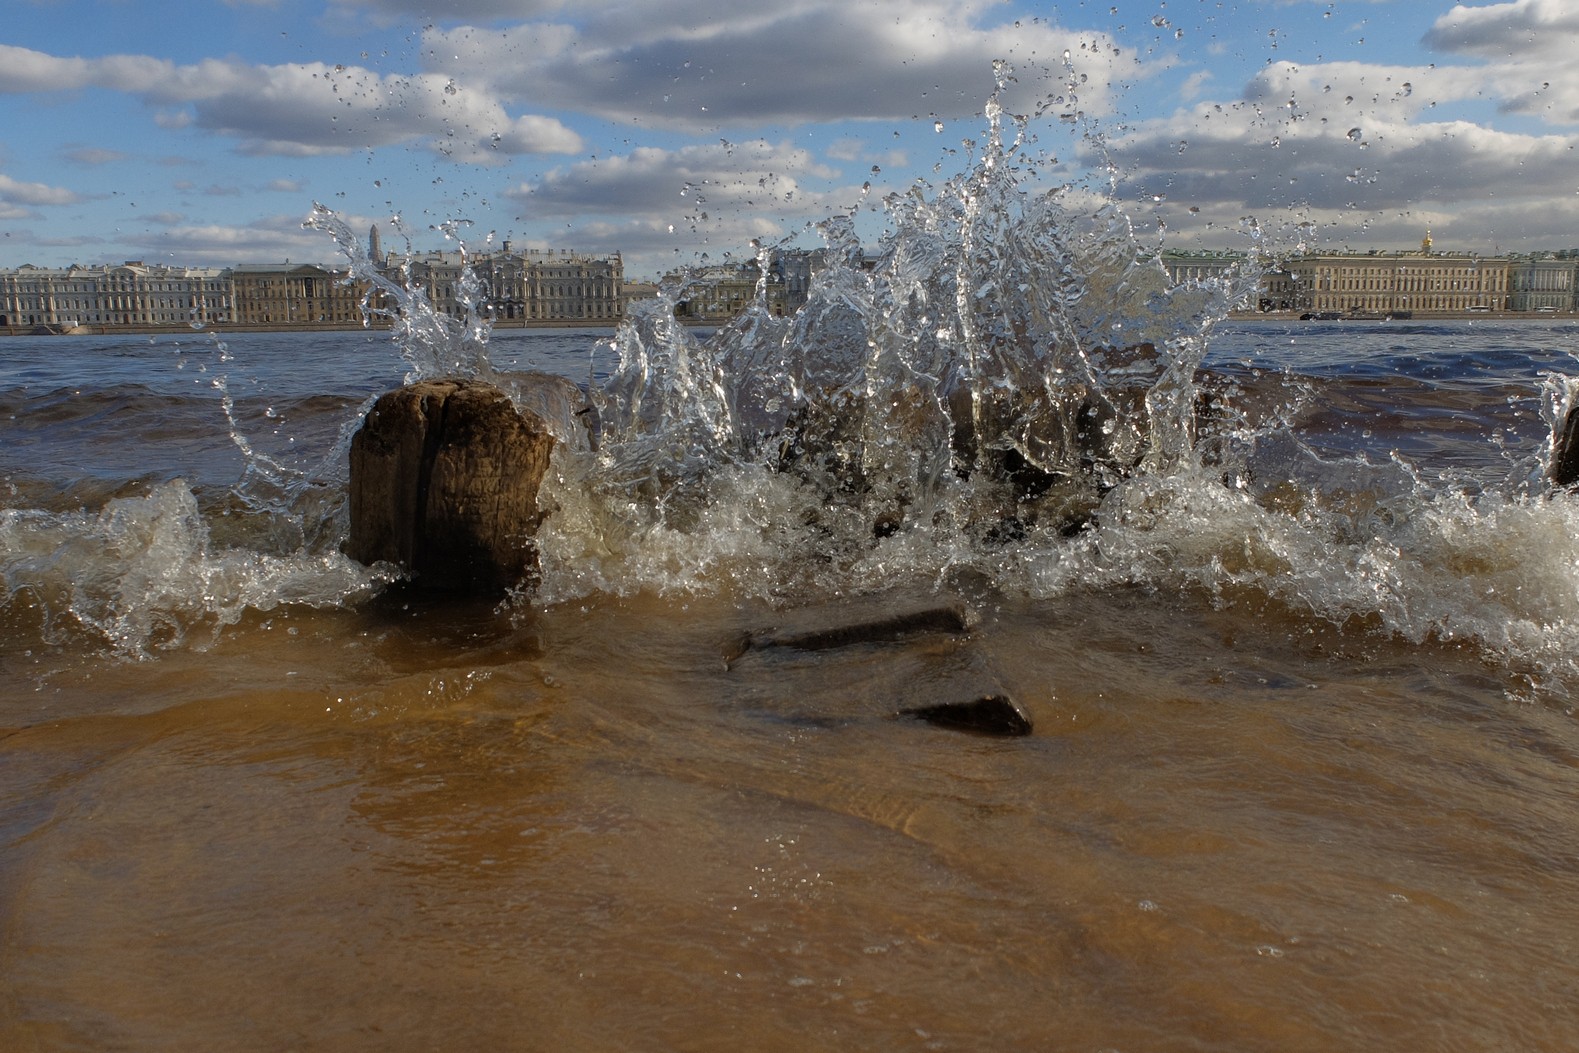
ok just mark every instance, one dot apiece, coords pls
pixel 668 128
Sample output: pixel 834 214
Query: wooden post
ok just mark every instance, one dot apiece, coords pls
pixel 444 482
pixel 1564 467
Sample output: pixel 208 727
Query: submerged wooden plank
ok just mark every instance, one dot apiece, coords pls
pixel 951 618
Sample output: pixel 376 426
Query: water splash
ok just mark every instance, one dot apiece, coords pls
pixel 1005 392
pixel 142 575
pixel 433 343
pixel 1005 355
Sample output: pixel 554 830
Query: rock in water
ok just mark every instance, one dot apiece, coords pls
pixel 444 481
pixel 988 715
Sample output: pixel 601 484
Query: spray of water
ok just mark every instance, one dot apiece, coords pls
pixel 1004 389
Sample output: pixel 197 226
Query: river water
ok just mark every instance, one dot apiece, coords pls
pixel 1302 777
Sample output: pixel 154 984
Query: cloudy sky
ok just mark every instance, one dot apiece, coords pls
pixel 200 132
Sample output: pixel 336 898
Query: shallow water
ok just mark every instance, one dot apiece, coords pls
pixel 1302 774
pixel 397 829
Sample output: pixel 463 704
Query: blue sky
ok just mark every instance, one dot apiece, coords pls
pixel 201 133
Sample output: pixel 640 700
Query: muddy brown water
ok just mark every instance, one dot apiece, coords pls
pixel 410 827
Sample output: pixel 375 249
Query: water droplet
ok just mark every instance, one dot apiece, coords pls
pixel 1355 135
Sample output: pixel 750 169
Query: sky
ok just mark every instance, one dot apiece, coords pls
pixel 201 132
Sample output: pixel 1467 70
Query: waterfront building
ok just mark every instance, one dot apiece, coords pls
pixel 132 294
pixel 719 293
pixel 632 291
pixel 1543 283
pixel 566 286
pixel 535 285
pixel 1399 283
pixel 1201 265
pixel 439 274
pixel 300 294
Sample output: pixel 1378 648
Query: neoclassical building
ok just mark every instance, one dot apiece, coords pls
pixel 1544 283
pixel 295 294
pixel 531 285
pixel 1380 283
pixel 128 294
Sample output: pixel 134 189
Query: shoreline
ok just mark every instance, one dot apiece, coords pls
pixel 1417 316
pixel 283 327
pixel 611 324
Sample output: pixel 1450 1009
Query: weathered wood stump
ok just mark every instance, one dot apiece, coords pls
pixel 444 482
pixel 1564 467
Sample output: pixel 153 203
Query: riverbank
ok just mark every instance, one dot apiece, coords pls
pixel 283 327
pixel 1416 316
pixel 600 323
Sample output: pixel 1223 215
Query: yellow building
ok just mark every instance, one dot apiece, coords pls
pixel 294 294
pixel 1381 283
pixel 535 285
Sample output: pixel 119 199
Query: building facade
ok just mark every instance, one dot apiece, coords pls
pixel 1205 265
pixel 132 294
pixel 302 294
pixel 1380 283
pixel 535 285
pixel 717 294
pixel 1543 283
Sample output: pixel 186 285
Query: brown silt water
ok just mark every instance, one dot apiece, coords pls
pixel 412 827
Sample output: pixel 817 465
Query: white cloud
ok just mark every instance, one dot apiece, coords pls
pixel 1261 157
pixel 663 202
pixel 678 65
pixel 756 175
pixel 1375 154
pixel 1505 31
pixel 16 192
pixel 387 12
pixel 1527 47
pixel 268 238
pixel 300 110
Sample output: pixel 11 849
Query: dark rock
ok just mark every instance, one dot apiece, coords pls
pixel 444 482
pixel 986 715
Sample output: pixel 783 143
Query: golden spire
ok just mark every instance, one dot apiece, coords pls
pixel 1425 245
